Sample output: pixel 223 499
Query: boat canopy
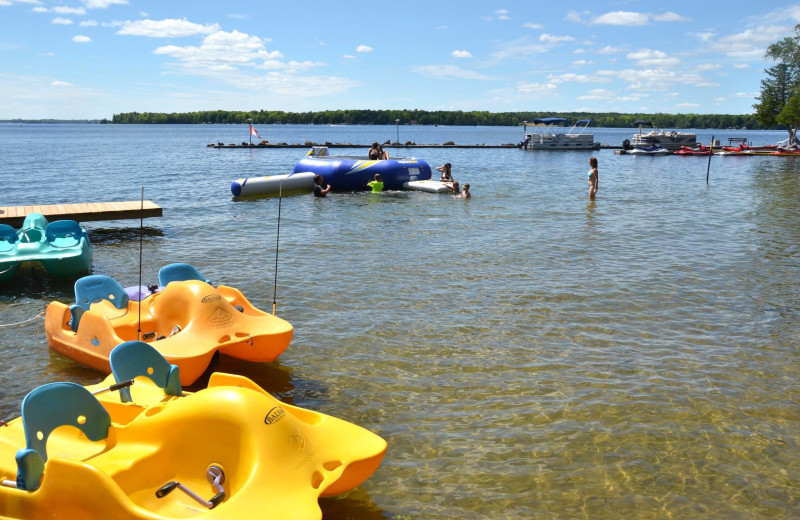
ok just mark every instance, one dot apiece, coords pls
pixel 583 121
pixel 549 120
pixel 642 122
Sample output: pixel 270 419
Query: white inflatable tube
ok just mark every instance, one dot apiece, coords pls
pixel 430 186
pixel 273 184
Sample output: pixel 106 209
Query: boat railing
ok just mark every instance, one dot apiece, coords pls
pixel 584 122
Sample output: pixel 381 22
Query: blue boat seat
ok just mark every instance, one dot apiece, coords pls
pixel 179 272
pixel 136 358
pixel 8 237
pixel 47 408
pixel 63 233
pixel 92 288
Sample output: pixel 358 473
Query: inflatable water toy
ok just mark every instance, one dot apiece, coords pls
pixel 429 186
pixel 188 321
pixel 352 173
pixel 62 247
pixel 273 184
pixel 144 449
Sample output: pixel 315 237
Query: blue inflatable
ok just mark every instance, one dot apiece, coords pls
pixel 352 173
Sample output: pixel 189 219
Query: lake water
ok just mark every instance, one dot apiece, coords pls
pixel 526 353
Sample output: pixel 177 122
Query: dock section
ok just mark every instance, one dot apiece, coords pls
pixel 84 212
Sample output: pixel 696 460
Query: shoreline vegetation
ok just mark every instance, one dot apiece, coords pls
pixel 420 117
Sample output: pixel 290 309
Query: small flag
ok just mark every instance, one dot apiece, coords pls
pixel 254 132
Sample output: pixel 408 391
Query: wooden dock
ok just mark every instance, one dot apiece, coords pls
pixel 84 212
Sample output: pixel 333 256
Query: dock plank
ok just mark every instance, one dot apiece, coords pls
pixel 82 212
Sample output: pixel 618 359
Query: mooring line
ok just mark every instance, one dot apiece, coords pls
pixel 23 321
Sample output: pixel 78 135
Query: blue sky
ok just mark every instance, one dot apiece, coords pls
pixel 89 59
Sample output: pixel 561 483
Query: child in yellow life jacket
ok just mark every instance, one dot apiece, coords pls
pixel 377 184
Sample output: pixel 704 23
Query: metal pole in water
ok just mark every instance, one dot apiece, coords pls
pixel 710 153
pixel 277 243
pixel 141 240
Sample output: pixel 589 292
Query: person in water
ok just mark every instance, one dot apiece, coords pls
pixel 447 173
pixel 382 154
pixel 465 194
pixel 377 184
pixel 321 188
pixel 374 152
pixel 593 177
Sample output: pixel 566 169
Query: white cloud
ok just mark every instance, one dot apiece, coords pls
pixel 349 57
pixel 652 79
pixel 652 58
pixel 549 38
pixel 61 84
pixel 363 48
pixel 626 18
pixel 531 25
pixel 575 17
pixel 462 54
pixel 169 28
pixel 538 89
pixel 751 43
pixel 61 9
pixel 103 4
pixel 608 49
pixel 669 16
pixel 81 39
pixel 520 47
pixel 687 105
pixel 576 78
pixel 741 66
pixel 449 72
pixel 582 62
pixel 88 23
pixel 708 66
pixel 222 51
pixel 61 21
pixel 703 36
pixel 502 14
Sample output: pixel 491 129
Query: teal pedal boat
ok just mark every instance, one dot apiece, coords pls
pixel 62 247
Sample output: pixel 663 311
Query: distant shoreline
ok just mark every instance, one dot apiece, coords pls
pixel 419 117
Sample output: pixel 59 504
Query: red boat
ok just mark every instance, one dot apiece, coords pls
pixel 700 150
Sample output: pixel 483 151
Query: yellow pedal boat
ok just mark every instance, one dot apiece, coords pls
pixel 150 451
pixel 188 321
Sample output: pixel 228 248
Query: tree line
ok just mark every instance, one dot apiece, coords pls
pixel 440 117
pixel 779 100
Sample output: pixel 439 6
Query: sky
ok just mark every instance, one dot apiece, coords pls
pixel 91 59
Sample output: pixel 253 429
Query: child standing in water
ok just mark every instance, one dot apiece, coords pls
pixel 593 177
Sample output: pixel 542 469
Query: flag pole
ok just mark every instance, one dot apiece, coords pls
pixel 250 122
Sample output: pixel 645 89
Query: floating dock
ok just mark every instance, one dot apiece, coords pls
pixel 84 212
pixel 367 146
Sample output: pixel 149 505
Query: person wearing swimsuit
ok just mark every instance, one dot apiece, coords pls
pixel 593 177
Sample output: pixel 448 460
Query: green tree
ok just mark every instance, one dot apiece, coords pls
pixel 778 100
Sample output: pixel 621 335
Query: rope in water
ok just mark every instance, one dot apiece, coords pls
pixel 23 321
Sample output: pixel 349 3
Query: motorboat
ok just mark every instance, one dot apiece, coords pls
pixel 700 150
pixel 186 319
pixel 137 446
pixel 670 140
pixel 550 139
pixel 649 150
pixel 62 247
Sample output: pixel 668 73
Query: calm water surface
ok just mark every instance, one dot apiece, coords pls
pixel 526 353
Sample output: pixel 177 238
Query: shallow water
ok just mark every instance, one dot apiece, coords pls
pixel 526 353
